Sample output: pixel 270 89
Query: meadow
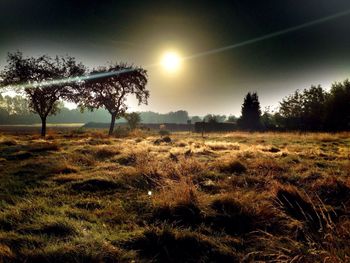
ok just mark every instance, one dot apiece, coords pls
pixel 81 196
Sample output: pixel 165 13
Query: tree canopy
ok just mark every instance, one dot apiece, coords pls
pixel 250 119
pixel 36 78
pixel 111 92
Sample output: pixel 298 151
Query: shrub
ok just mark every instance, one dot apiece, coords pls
pixel 164 132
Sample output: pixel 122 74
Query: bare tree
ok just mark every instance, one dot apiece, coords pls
pixel 43 80
pixel 111 91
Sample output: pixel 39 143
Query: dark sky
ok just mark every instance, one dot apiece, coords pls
pixel 140 32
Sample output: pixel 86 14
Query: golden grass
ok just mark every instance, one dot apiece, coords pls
pixel 86 197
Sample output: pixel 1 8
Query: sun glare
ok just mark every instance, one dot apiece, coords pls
pixel 171 61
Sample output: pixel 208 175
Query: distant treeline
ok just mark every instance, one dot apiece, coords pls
pixel 15 110
pixel 313 109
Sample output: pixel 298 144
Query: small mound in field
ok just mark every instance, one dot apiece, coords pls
pixel 231 216
pixel 98 141
pixel 295 205
pixel 73 253
pixel 184 214
pixel 166 245
pixel 66 178
pixel 272 150
pixel 65 169
pixel 8 143
pixel 95 185
pixel 55 229
pixel 6 254
pixel 88 205
pixel 83 159
pixel 19 156
pixel 249 182
pixel 43 147
pixel 232 167
pixel 105 153
pixel 165 139
pixel 333 192
pixel 209 186
pixel 127 160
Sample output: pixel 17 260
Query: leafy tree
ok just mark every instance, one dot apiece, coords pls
pixel 17 105
pixel 314 108
pixel 211 118
pixel 305 110
pixel 291 110
pixel 112 91
pixel 270 120
pixel 133 119
pixel 250 119
pixel 338 106
pixel 232 118
pixel 220 118
pixel 195 119
pixel 180 116
pixel 43 96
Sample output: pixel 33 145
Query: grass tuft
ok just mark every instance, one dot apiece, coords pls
pixel 298 206
pixel 169 245
pixel 96 185
pixel 232 167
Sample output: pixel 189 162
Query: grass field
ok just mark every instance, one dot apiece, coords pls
pixel 21 129
pixel 235 197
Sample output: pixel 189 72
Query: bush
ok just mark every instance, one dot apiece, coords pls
pixel 164 132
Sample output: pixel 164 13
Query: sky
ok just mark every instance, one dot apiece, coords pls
pixel 140 32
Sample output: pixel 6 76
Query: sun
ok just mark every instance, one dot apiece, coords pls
pixel 171 61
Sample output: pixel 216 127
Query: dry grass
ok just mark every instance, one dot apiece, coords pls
pixel 237 197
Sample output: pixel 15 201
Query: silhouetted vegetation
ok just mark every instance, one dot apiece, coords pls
pixel 211 118
pixel 43 98
pixel 110 92
pixel 133 119
pixel 250 119
pixel 315 109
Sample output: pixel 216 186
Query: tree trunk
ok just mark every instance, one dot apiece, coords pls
pixel 111 127
pixel 43 126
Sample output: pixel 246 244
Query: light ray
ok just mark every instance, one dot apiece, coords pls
pixel 271 35
pixel 194 56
